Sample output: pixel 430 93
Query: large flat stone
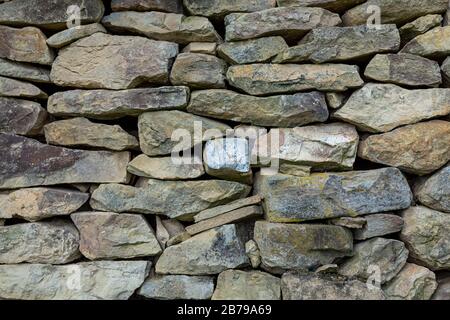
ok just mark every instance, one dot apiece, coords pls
pixel 434 192
pixel 220 8
pixel 68 36
pixel 174 6
pixel 432 44
pixel 332 5
pixel 24 71
pixel 19 89
pixel 21 116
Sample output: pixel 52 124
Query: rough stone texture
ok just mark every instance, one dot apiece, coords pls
pixel 252 251
pixel 21 116
pixel 420 148
pixel 349 222
pixel 201 47
pixel 419 26
pixel 445 68
pixel 336 100
pixel 103 61
pixel 19 89
pixel 24 71
pixel 443 289
pixel 432 44
pixel 434 192
pixel 332 195
pixel 220 210
pixel 426 234
pixel 174 6
pixel 300 246
pixel 68 36
pixel 35 204
pixel 220 8
pixel 247 285
pixel 100 280
pixel 53 242
pixel 377 225
pixel 332 5
pixel 275 111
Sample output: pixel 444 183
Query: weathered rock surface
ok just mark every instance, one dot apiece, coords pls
pixel 201 47
pixel 220 210
pixel 27 162
pixel 432 44
pixel 220 8
pixel 421 148
pixel 100 280
pixel 435 191
pixel 21 116
pixel 68 36
pixel 443 289
pixel 53 242
pixel 252 251
pixel 247 285
pixel 336 100
pixel 265 79
pixel 332 5
pixel 331 195
pixel 19 89
pixel 419 26
pixel 349 222
pixel 103 61
pixel 174 6
pixel 377 225
pixel 24 71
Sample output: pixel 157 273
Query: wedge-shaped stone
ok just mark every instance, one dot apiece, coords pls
pixel 80 132
pixel 201 47
pixel 349 222
pixel 265 79
pixel 27 162
pixel 107 104
pixel 300 246
pixel 100 280
pixel 290 23
pixel 210 252
pixel 53 242
pixel 419 26
pixel 103 61
pixel 175 199
pixel 434 192
pixel 107 235
pixel 332 5
pixel 220 210
pixel 15 88
pixel 276 111
pixel 377 225
pixel 34 204
pixel 24 71
pixel 220 8
pixel 68 36
pixel 330 195
pixel 336 44
pixel 175 6
pixel 21 116
pixel 432 44
pixel 383 107
pixel 421 148
pixel 163 26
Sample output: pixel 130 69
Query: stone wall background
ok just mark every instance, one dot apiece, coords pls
pixel 93 207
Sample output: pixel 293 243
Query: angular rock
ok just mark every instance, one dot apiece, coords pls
pixel 377 225
pixel 25 45
pixel 198 71
pixel 100 280
pixel 68 36
pixel 252 251
pixel 420 149
pixel 433 44
pixel 332 195
pixel 290 23
pixel 349 222
pixel 163 26
pixel 162 235
pixel 174 6
pixel 220 8
pixel 107 104
pixel 404 69
pixel 175 287
pixel 445 68
pixel 19 89
pixel 170 231
pixel 252 51
pixel 220 210
pixel 21 116
pixel 426 234
pixel 201 47
pixel 412 283
pixel 435 191
pixel 35 204
pixel 295 170
pixel 54 242
pixel 265 79
pixel 24 71
pixel 80 132
pixel 419 26
pixel 335 100
pixel 443 289
pixel 178 239
pixel 210 252
pixel 300 246
pixel 107 235
pixel 27 162
pixel 337 44
pixel 275 111
pixel 103 61
pixel 247 285
pixel 332 5
pixel 383 107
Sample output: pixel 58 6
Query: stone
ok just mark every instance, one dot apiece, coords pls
pixel 443 290
pixel 337 44
pixel 386 255
pixel 404 69
pixel 175 287
pixel 50 14
pixel 219 8
pixel 201 47
pixel 178 239
pixel 198 71
pixel 24 71
pixel 35 204
pixel 290 23
pixel 54 242
pixel 247 285
pixel 335 100
pixel 21 116
pixel 26 163
pixel 207 253
pixel 327 269
pixel 232 206
pixel 295 170
pixel 107 235
pixel 252 251
pixel 426 234
pixel 100 280
pixel 332 5
pixel 419 26
pixel 420 149
pixel 393 11
pixel 349 222
pixel 275 111
pixel 333 195
pixel 174 6
pixel 383 107
pixel 433 44
pixel 25 44
pixel 175 199
pixel 163 26
pixel 377 225
pixel 160 132
pixel 252 51
pixel 434 192
pixel 162 235
pixel 66 37
pixel 20 89
pixel 103 61
pixel 311 286
pixel 412 283
pixel 80 132
pixel 300 246
pixel 107 104
pixel 265 79
pixel 445 68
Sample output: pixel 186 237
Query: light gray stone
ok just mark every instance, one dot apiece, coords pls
pixel 377 225
pixel 65 37
pixel 434 192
